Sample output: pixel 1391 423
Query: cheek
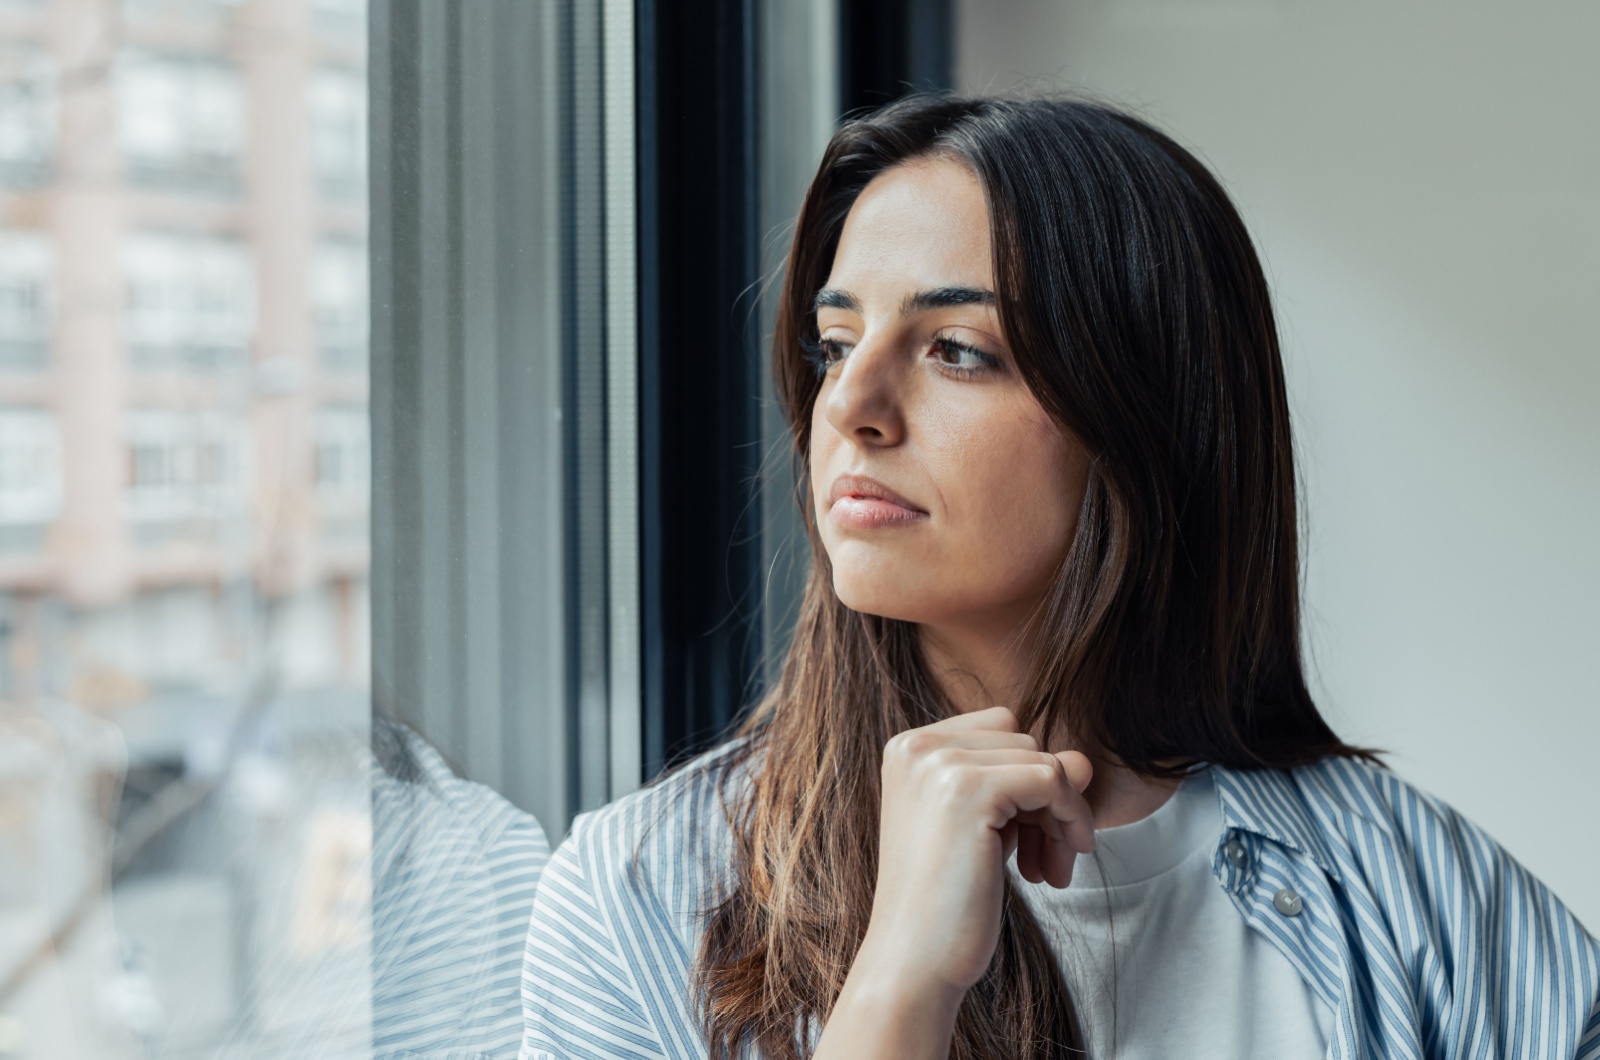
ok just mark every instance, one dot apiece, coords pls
pixel 1013 487
pixel 823 456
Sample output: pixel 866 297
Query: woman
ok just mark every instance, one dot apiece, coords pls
pixel 1031 368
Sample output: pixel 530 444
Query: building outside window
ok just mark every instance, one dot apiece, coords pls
pixel 341 20
pixel 184 465
pixel 184 640
pixel 30 476
pixel 339 304
pixel 190 302
pixel 343 464
pixel 180 120
pixel 337 98
pixel 27 113
pixel 27 265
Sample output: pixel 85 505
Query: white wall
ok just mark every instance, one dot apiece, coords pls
pixel 1424 183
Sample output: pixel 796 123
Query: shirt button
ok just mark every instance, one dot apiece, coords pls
pixel 1287 902
pixel 1236 854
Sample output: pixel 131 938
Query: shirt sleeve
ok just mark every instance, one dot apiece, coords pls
pixel 1525 974
pixel 579 994
pixel 1589 1046
pixel 607 966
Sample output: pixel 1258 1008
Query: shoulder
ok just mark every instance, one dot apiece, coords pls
pixel 671 835
pixel 1365 807
pixel 1428 896
pixel 1379 823
pixel 1342 811
pixel 617 919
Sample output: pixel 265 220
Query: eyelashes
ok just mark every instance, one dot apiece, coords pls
pixel 823 354
pixel 819 354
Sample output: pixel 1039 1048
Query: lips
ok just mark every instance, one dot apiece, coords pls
pixel 861 486
pixel 859 503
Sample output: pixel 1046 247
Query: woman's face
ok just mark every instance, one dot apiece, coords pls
pixel 923 396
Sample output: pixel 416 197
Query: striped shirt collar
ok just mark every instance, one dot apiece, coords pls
pixel 1268 803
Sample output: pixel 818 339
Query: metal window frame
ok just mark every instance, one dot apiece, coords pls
pixel 565 655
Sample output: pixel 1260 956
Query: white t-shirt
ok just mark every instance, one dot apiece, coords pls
pixel 1146 932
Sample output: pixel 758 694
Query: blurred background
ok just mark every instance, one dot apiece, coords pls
pixel 389 468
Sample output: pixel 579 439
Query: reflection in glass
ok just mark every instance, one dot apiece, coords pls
pixel 186 780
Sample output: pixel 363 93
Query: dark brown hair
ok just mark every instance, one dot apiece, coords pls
pixel 1138 315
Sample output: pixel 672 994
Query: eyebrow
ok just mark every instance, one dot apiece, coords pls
pixel 916 302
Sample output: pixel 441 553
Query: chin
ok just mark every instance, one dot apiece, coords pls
pixel 886 598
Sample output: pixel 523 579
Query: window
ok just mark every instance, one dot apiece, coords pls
pixel 338 104
pixel 184 639
pixel 184 465
pixel 27 265
pixel 194 624
pixel 30 467
pixel 190 302
pixel 342 465
pixel 27 113
pixel 338 279
pixel 340 20
pixel 185 13
pixel 180 120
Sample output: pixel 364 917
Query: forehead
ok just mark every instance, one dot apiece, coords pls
pixel 919 224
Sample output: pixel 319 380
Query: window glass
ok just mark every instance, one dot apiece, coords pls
pixel 338 119
pixel 27 285
pixel 338 278
pixel 30 468
pixel 185 772
pixel 190 301
pixel 180 119
pixel 27 112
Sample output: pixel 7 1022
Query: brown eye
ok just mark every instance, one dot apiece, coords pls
pixel 977 361
pixel 822 354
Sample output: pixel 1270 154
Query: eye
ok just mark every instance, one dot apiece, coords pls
pixel 978 360
pixel 822 354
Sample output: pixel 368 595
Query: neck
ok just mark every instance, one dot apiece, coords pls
pixel 978 669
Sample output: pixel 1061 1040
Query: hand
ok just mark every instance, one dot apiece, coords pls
pixel 958 797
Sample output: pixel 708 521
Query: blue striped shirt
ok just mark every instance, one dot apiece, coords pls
pixel 1425 938
pixel 454 871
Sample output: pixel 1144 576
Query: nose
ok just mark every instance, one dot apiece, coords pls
pixel 864 401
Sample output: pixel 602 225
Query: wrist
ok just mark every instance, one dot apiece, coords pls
pixel 879 1014
pixel 885 974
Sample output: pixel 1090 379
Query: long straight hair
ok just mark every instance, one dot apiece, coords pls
pixel 1139 318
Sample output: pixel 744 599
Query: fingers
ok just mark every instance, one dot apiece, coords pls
pixel 978 765
pixel 1020 788
pixel 1080 770
pixel 916 745
pixel 997 718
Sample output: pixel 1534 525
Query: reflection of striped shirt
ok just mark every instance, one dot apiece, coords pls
pixel 1424 937
pixel 454 870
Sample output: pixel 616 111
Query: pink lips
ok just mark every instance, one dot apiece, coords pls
pixel 863 503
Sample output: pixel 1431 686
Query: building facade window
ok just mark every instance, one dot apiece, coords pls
pixel 30 473
pixel 27 113
pixel 184 466
pixel 343 456
pixel 339 304
pixel 190 302
pixel 180 120
pixel 27 304
pixel 340 20
pixel 337 98
pixel 187 10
